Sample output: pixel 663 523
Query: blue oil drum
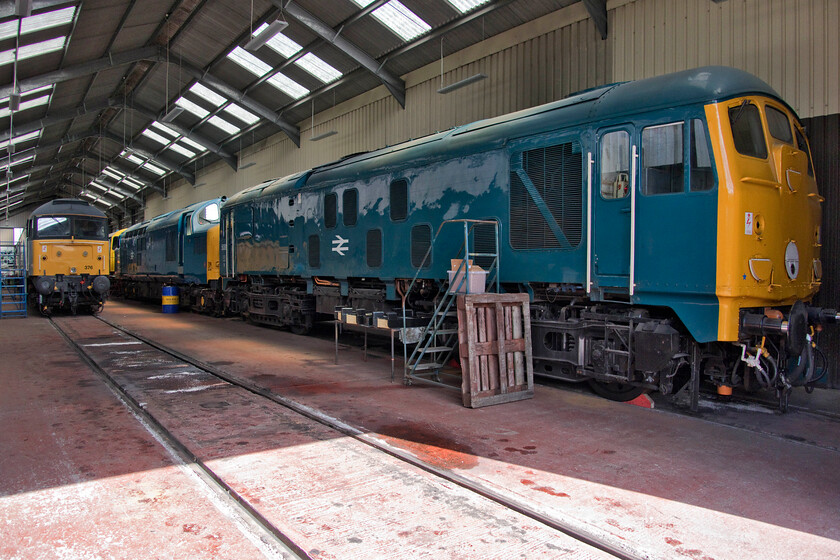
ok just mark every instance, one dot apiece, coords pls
pixel 170 299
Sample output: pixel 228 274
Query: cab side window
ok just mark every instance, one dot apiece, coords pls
pixel 662 159
pixel 615 164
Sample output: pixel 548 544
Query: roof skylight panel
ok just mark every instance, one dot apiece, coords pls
pixel 207 94
pixel 113 174
pixel 192 144
pixel 287 48
pixel 154 169
pixel 162 128
pixel 259 68
pixel 21 139
pixel 188 105
pixel 24 105
pixel 318 68
pixel 465 6
pixel 142 163
pixel 399 19
pixel 28 94
pixel 241 114
pixel 133 183
pixel 47 20
pixel 288 86
pixel 281 44
pixel 175 147
pixel 156 137
pixel 38 22
pixel 223 124
pixel 16 179
pixel 249 62
pixel 33 50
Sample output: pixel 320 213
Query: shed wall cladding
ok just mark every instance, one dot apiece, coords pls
pixel 791 44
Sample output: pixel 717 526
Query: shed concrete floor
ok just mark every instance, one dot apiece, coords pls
pixel 737 483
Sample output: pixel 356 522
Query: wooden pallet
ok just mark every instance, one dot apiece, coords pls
pixel 494 336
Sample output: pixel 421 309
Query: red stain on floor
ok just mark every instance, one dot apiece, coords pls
pixel 429 446
pixel 545 489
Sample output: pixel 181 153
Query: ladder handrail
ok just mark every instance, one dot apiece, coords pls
pixel 461 275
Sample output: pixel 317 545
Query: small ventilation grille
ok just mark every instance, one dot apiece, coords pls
pixel 484 241
pixel 374 248
pixel 350 201
pixel 556 173
pixel 314 251
pixel 421 240
pixel 399 200
pixel 330 210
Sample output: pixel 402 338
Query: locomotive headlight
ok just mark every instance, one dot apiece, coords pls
pixel 72 270
pixel 792 260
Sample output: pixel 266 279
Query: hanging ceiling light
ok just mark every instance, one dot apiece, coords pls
pixel 462 83
pixel 266 34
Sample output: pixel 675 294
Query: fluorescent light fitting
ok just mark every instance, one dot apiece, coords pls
pixel 172 114
pixel 323 135
pixel 462 83
pixel 266 34
pixel 23 8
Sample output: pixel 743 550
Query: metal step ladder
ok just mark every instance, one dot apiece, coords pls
pixel 12 276
pixel 438 341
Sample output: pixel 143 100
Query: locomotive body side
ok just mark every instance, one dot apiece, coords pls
pixel 68 246
pixel 168 250
pixel 661 237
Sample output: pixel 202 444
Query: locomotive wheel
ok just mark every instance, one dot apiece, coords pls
pixel 615 391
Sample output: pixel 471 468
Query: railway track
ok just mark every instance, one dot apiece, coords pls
pixel 143 373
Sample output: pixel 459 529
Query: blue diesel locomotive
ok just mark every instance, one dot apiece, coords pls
pixel 665 229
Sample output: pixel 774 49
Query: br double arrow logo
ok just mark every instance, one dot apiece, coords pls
pixel 339 245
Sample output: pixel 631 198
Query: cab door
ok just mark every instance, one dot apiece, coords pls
pixel 612 197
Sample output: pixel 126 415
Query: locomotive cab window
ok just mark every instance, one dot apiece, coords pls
pixel 662 159
pixel 209 214
pixel 330 210
pixel 779 125
pixel 747 132
pixel 615 164
pixel 350 207
pixel 53 226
